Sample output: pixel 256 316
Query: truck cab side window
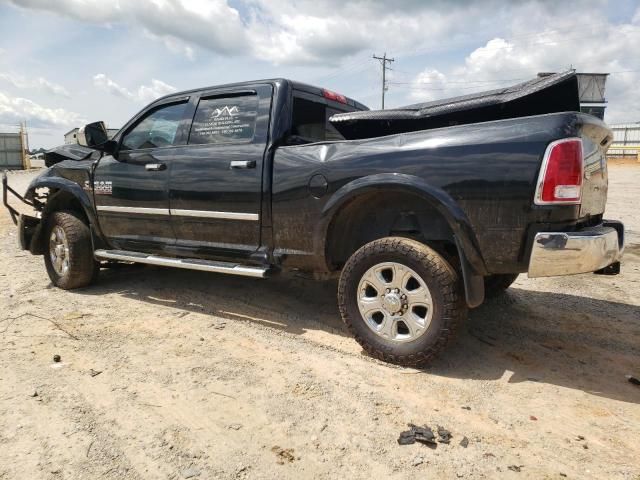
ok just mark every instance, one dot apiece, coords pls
pixel 224 120
pixel 310 122
pixel 157 129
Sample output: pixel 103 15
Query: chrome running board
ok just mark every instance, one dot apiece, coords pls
pixel 186 263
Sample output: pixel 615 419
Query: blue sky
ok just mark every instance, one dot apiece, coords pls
pixel 66 62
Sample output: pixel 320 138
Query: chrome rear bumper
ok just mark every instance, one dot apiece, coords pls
pixel 568 253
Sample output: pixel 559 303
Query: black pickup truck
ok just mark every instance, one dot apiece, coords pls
pixel 422 211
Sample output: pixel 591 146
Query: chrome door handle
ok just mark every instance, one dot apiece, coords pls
pixel 155 167
pixel 243 164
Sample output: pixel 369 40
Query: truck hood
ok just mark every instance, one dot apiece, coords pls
pixel 548 94
pixel 66 152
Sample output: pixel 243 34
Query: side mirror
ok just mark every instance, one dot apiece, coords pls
pixel 110 147
pixel 93 135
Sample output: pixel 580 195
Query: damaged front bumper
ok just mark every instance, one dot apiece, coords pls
pixel 594 249
pixel 28 225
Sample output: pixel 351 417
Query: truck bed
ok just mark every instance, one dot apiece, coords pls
pixel 549 94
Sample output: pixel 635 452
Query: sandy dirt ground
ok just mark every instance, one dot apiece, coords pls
pixel 208 376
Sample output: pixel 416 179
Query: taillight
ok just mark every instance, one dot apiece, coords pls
pixel 560 179
pixel 336 97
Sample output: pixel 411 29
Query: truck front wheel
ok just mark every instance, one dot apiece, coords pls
pixel 401 300
pixel 69 253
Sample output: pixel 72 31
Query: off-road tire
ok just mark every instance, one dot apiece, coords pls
pixel 443 282
pixel 83 268
pixel 495 285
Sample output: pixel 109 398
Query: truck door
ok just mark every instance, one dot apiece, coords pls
pixel 131 189
pixel 215 186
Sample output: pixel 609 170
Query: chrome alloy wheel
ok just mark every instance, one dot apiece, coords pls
pixel 59 251
pixel 395 302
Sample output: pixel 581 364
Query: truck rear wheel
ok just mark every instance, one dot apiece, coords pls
pixel 495 285
pixel 69 253
pixel 401 300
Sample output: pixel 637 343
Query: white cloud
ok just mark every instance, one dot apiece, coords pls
pixel 17 109
pixel 210 24
pixel 105 83
pixel 600 47
pixel 41 84
pixel 144 93
pixel 157 89
pixel 322 32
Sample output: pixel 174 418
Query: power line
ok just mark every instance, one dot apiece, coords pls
pixel 383 62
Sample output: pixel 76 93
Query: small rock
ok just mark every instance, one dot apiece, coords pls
pixel 464 443
pixel 466 408
pixel 585 446
pixel 533 417
pixel 632 379
pixel 284 455
pixel 190 472
pixel 34 394
pixel 94 373
pixel 57 358
pixel 579 438
pixel 515 468
pixel 444 435
pixel 418 461
pixel 235 426
pixel 202 339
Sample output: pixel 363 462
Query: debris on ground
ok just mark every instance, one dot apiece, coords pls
pixel 190 472
pixel 57 358
pixel 464 443
pixel 444 435
pixel 515 468
pixel 632 379
pixel 285 455
pixel 417 434
pixel 417 461
pixel 94 373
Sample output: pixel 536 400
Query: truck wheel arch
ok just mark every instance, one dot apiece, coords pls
pixel 343 215
pixel 63 195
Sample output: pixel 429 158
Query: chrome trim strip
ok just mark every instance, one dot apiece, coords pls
pixel 568 253
pixel 213 214
pixel 181 213
pixel 189 264
pixel 149 211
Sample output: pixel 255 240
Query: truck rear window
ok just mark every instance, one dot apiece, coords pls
pixel 310 122
pixel 224 120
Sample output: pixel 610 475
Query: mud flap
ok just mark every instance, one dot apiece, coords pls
pixel 473 283
pixel 29 233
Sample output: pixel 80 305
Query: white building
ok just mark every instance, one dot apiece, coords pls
pixel 72 135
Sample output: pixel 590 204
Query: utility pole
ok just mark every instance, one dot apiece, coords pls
pixel 383 61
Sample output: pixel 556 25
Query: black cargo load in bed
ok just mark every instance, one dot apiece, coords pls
pixel 547 94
